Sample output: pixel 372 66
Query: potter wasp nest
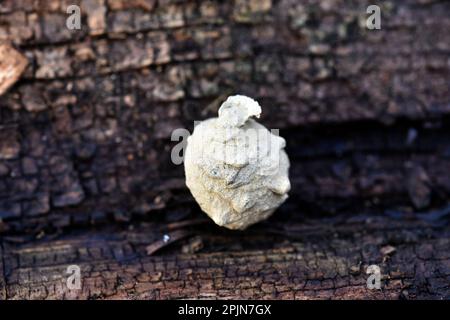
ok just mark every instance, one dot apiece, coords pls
pixel 236 169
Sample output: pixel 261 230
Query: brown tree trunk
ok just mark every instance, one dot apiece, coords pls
pixel 313 259
pixel 85 146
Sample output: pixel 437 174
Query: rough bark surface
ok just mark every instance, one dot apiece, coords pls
pixel 313 260
pixel 87 129
pixel 85 142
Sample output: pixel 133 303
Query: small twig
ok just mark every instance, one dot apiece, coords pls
pixel 185 223
pixel 166 240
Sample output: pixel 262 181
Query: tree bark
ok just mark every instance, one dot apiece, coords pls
pixel 315 259
pixel 85 146
pixel 86 132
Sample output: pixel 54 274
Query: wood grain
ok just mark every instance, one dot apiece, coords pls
pixel 315 259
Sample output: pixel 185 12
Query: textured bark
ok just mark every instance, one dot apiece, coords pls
pixel 85 140
pixel 86 133
pixel 311 260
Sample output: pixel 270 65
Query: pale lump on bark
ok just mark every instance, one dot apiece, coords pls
pixel 235 168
